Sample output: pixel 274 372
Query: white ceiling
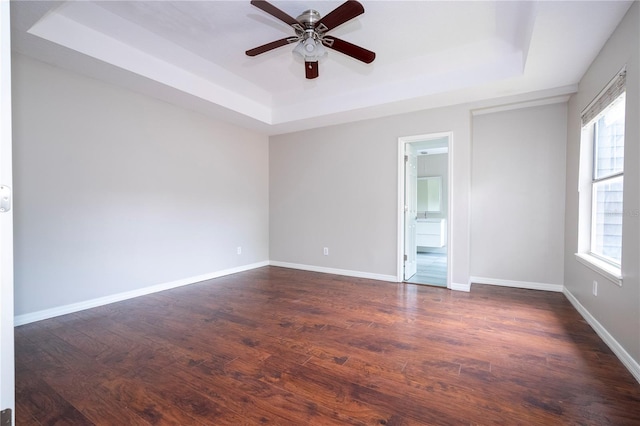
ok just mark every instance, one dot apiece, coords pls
pixel 429 54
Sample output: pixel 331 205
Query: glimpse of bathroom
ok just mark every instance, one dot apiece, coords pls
pixel 431 226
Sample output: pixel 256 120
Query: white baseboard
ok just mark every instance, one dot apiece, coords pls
pixel 345 272
pixel 357 274
pixel 518 284
pixel 461 287
pixel 93 303
pixel 626 359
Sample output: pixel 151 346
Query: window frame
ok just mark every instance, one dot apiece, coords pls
pixel 589 180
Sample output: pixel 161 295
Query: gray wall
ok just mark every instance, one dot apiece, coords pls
pixel 517 194
pixel 344 194
pixel 116 191
pixel 337 187
pixel 615 308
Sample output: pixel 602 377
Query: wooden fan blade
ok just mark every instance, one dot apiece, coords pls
pixel 276 13
pixel 270 46
pixel 356 52
pixel 341 14
pixel 311 69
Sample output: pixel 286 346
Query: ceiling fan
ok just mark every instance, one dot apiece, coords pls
pixel 311 34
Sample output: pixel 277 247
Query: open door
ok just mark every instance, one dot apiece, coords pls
pixel 410 211
pixel 423 225
pixel 7 370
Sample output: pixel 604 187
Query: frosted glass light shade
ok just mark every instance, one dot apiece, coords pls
pixel 310 50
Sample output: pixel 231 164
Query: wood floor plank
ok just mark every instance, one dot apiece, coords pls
pixel 94 401
pixel 285 347
pixel 254 397
pixel 37 401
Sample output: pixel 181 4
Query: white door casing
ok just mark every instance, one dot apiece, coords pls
pixel 7 369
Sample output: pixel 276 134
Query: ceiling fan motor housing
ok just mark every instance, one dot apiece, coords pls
pixel 309 18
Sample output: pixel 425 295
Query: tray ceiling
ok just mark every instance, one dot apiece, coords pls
pixel 429 54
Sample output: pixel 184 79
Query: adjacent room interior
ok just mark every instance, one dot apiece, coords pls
pixel 439 225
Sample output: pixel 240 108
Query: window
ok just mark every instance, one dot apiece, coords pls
pixel 602 180
pixel 607 182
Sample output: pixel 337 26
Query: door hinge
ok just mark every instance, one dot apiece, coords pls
pixel 5 198
pixel 406 158
pixel 5 417
pixel 405 258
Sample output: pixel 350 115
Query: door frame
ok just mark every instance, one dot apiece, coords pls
pixel 402 141
pixel 7 361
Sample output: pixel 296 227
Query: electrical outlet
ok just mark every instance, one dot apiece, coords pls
pixel 326 251
pixel 239 250
pixel 595 288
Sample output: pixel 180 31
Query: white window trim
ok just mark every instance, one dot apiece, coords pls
pixel 611 272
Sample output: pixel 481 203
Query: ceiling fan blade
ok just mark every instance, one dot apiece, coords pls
pixel 270 46
pixel 341 14
pixel 356 52
pixel 311 69
pixel 277 13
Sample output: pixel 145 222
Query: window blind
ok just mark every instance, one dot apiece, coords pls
pixel 614 89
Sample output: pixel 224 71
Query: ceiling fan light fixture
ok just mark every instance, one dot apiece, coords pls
pixel 310 49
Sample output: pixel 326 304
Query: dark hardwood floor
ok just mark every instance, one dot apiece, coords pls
pixel 278 346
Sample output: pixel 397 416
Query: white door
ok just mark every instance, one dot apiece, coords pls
pixel 7 371
pixel 410 210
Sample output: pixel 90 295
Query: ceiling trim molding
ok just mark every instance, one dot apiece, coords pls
pixel 519 105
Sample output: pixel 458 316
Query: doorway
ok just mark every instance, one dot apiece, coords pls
pixel 424 203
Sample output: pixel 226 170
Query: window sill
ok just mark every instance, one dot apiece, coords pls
pixel 612 273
